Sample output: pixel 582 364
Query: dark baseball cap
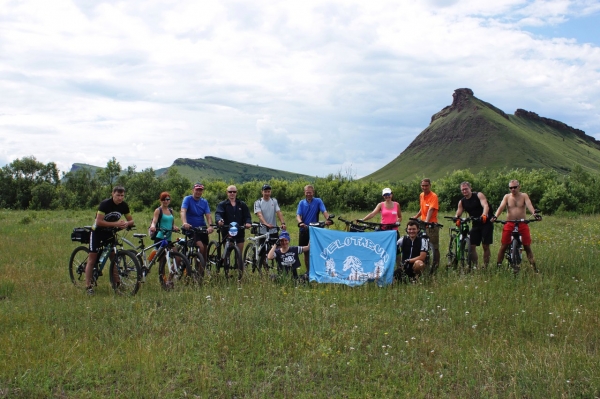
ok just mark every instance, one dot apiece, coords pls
pixel 266 187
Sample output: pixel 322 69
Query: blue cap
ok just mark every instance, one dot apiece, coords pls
pixel 285 234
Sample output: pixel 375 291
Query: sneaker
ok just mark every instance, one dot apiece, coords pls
pixel 89 291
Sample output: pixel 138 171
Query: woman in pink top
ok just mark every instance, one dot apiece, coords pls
pixel 390 210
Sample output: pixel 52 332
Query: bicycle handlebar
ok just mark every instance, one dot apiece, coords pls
pixel 426 224
pixel 526 221
pixel 375 225
pixel 320 224
pixel 464 220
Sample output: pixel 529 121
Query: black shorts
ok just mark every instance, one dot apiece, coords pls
pixel 197 236
pixel 482 233
pixel 100 238
pixel 303 238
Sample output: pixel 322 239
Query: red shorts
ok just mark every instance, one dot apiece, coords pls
pixel 523 230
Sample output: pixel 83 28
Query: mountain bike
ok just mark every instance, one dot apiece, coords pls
pixel 173 266
pixel 423 235
pixel 255 253
pixel 514 251
pixel 224 253
pixel 459 247
pixel 124 272
pixel 188 247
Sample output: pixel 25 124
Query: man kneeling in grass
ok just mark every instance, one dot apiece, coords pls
pixel 413 252
pixel 288 258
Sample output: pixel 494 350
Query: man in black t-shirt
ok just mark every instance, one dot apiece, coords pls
pixel 476 205
pixel 413 252
pixel 109 216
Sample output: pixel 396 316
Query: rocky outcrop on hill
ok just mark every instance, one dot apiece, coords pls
pixel 464 99
pixel 521 113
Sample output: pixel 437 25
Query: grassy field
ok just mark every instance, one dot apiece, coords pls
pixel 487 334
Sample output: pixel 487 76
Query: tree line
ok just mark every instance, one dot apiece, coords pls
pixel 29 184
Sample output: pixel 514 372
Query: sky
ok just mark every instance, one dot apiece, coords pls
pixel 314 87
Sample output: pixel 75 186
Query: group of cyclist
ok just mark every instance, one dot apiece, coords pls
pixel 195 213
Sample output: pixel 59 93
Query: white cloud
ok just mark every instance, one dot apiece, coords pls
pixel 308 87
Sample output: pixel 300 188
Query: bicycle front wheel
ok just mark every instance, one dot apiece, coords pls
pixel 429 259
pixel 199 266
pixel 466 261
pixel 250 257
pixel 515 255
pixel 233 261
pixel 174 269
pixel 214 256
pixel 125 272
pixel 451 260
pixel 77 264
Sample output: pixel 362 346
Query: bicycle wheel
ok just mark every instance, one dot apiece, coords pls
pixel 233 261
pixel 199 266
pixel 250 257
pixel 515 255
pixel 214 256
pixel 77 264
pixel 429 259
pixel 451 259
pixel 175 269
pixel 467 254
pixel 125 272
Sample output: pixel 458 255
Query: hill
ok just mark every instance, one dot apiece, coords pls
pixel 213 168
pixel 473 134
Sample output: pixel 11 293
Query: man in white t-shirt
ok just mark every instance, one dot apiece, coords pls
pixel 267 210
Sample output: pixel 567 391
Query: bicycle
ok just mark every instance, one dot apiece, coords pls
pixel 122 262
pixel 459 247
pixel 423 235
pixel 172 265
pixel 224 253
pixel 188 247
pixel 255 253
pixel 514 250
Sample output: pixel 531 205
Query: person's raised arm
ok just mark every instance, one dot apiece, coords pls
pixel 375 212
pixel 501 207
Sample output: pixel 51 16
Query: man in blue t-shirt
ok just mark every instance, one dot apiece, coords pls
pixel 194 209
pixel 308 212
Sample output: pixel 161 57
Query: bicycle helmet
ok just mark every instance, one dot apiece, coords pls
pixel 233 230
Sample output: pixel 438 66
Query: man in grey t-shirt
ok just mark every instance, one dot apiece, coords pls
pixel 267 210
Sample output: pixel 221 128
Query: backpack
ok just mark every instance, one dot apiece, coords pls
pixel 160 213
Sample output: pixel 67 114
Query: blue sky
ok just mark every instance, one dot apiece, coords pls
pixel 314 87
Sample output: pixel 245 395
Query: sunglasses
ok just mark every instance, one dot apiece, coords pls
pixel 232 192
pixel 167 199
pixel 386 195
pixel 513 187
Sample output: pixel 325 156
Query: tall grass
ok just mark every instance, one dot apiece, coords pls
pixel 484 334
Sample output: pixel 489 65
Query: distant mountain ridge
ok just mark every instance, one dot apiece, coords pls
pixel 476 135
pixel 213 168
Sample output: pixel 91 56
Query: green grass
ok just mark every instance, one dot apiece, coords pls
pixel 487 334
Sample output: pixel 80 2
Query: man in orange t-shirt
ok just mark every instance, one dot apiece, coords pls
pixel 428 213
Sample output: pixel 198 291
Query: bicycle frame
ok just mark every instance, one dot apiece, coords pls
pixel 459 247
pixel 261 243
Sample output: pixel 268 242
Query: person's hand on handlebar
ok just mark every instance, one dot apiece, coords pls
pixel 537 216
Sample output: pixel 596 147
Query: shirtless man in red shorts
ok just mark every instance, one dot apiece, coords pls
pixel 516 202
